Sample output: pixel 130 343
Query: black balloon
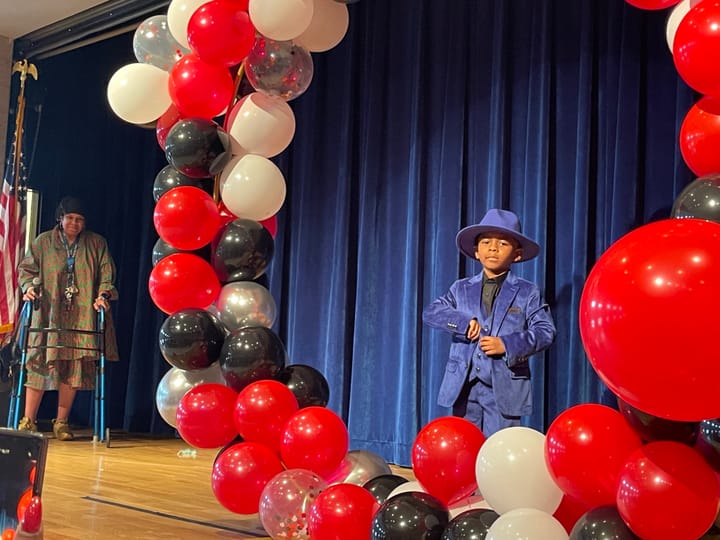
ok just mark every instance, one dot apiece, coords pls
pixel 410 515
pixel 651 428
pixel 603 523
pixel 169 177
pixel 162 249
pixel 708 443
pixel 383 485
pixel 191 339
pixel 309 386
pixel 250 354
pixel 470 525
pixel 197 147
pixel 700 199
pixel 242 250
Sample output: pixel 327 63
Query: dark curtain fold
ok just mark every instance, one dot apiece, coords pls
pixel 427 114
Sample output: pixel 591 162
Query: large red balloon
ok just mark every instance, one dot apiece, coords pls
pixel 205 416
pixel 314 438
pixel 652 4
pixel 342 512
pixel 700 137
pixel 696 47
pixel 585 448
pixel 240 473
pixel 261 410
pixel 181 281
pixel 220 32
pixel 667 490
pixel 199 89
pixel 186 217
pixel 444 455
pixel 649 322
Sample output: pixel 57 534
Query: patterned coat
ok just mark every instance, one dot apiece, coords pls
pixel 94 273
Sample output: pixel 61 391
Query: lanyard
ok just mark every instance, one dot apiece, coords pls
pixel 70 289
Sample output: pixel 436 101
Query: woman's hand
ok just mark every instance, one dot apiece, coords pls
pixel 30 294
pixel 101 302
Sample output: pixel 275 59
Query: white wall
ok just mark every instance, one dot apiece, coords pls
pixel 5 80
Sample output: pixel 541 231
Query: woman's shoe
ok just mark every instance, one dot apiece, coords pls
pixel 61 429
pixel 26 424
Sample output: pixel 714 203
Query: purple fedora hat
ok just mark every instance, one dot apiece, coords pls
pixel 499 221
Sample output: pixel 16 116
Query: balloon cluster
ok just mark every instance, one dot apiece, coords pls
pixel 692 37
pixel 220 188
pixel 230 385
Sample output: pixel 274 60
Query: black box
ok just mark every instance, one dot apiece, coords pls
pixel 22 470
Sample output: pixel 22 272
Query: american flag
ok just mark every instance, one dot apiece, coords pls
pixel 12 237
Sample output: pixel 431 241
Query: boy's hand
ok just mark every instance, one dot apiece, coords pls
pixel 473 330
pixel 491 345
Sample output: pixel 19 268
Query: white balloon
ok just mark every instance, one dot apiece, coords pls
pixel 178 16
pixel 260 124
pixel 327 28
pixel 177 382
pixel 511 472
pixel 407 487
pixel 526 524
pixel 253 187
pixel 138 93
pixel 677 15
pixel 282 20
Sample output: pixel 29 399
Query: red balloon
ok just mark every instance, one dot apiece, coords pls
pixel 205 415
pixel 696 47
pixel 169 118
pixel 199 89
pixel 186 217
pixel 667 490
pixel 648 322
pixel 261 410
pixel 652 4
pixel 181 281
pixel 444 455
pixel 226 216
pixel 700 137
pixel 220 32
pixel 316 439
pixel 585 448
pixel 24 503
pixel 240 473
pixel 342 512
pixel 270 224
pixel 569 512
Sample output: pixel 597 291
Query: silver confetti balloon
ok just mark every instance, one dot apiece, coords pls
pixel 245 303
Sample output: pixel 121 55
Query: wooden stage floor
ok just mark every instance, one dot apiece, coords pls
pixel 138 488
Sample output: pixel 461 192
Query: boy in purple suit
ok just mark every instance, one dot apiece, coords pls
pixel 497 321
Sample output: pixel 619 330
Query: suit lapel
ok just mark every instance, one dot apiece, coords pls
pixel 503 302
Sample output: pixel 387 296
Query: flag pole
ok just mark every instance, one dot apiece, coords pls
pixel 25 68
pixel 14 210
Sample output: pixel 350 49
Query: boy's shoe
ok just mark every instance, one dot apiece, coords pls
pixel 61 429
pixel 26 424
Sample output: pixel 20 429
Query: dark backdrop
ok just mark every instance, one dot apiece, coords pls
pixel 427 114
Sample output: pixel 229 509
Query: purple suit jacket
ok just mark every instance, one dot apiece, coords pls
pixel 520 317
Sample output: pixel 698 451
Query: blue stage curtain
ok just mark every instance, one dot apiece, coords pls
pixel 426 115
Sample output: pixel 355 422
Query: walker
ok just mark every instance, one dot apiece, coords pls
pixel 100 432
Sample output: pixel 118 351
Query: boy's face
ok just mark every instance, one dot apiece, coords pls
pixel 496 252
